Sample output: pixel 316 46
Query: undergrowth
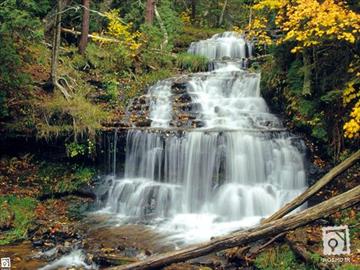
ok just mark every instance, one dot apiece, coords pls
pixel 23 210
pixel 280 258
pixel 191 62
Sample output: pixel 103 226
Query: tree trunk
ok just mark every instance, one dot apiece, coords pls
pixel 307 73
pixel 150 11
pixel 162 27
pixel 299 200
pixel 221 19
pixel 56 42
pixel 55 50
pixel 49 23
pixel 84 26
pixel 321 210
pixel 193 9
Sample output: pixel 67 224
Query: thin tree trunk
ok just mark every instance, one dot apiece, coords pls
pixel 84 26
pixel 223 12
pixel 299 200
pixel 162 27
pixel 55 50
pixel 307 73
pixel 49 23
pixel 56 42
pixel 150 11
pixel 193 9
pixel 273 228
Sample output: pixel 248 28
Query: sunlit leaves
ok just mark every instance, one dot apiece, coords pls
pixel 121 32
pixel 351 99
pixel 308 22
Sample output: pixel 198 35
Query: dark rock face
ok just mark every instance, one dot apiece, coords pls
pixel 185 111
pixel 138 112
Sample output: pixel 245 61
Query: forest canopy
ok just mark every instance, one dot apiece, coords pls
pixel 110 51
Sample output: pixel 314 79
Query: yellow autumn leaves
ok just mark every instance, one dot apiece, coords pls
pixel 312 22
pixel 308 22
pixel 351 95
pixel 120 32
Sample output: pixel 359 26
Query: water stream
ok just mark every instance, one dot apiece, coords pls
pixel 238 167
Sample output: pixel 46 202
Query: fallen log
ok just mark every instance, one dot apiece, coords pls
pixel 301 252
pixel 311 191
pixel 270 229
pixel 95 37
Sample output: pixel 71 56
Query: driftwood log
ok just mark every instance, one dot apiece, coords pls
pixel 327 178
pixel 269 229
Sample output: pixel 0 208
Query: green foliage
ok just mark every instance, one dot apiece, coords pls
pixel 191 62
pixel 191 34
pixel 352 219
pixel 18 19
pixel 23 208
pixel 295 77
pixel 112 90
pixel 4 111
pixel 77 210
pixel 315 257
pixel 280 258
pixel 61 178
pixel 348 267
pixel 77 116
pixel 171 19
pixel 75 149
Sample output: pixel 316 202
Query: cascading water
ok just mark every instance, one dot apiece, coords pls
pixel 239 166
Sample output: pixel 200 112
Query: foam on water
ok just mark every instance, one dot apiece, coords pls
pixel 74 259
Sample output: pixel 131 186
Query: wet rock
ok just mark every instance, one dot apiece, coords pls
pixel 198 124
pixel 179 87
pixel 116 124
pixel 112 259
pixel 183 98
pixel 143 123
pixel 226 58
pixel 314 173
pixel 178 91
pixel 87 191
pixel 38 243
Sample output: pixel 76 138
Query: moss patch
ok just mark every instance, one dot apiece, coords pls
pixel 23 208
pixel 280 258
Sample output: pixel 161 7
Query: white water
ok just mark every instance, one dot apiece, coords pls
pixel 74 259
pixel 224 176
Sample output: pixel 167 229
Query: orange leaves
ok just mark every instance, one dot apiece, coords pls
pixel 40 211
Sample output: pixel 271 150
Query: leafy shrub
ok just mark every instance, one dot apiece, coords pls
pixel 192 63
pixel 75 149
pixel 23 208
pixel 61 178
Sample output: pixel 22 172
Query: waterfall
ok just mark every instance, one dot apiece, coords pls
pixel 236 166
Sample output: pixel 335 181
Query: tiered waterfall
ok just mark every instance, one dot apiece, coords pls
pixel 232 166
